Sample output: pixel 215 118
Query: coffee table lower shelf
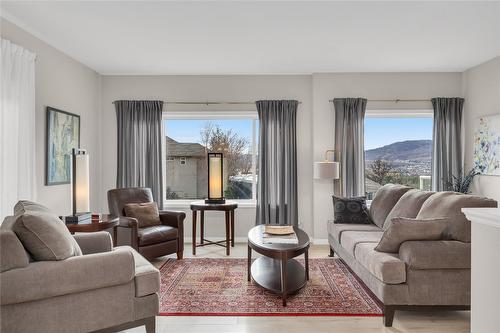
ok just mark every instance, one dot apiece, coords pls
pixel 268 274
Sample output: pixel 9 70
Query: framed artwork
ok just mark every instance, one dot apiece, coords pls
pixel 63 134
pixel 487 146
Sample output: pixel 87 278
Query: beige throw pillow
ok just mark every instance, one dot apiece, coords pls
pixel 45 236
pixel 146 213
pixel 404 229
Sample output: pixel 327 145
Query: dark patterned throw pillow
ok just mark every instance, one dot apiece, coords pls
pixel 351 210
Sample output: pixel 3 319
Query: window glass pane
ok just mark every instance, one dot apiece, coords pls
pixel 189 140
pixel 398 151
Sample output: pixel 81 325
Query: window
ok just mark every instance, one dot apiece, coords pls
pixel 190 136
pixel 398 150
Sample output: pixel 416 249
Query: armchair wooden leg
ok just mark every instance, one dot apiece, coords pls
pixel 388 315
pixel 150 325
pixel 332 254
pixel 180 255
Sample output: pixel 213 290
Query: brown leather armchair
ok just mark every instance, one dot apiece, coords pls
pixel 154 241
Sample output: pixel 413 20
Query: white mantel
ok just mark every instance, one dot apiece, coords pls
pixel 485 269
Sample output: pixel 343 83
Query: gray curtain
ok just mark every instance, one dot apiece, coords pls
pixel 139 161
pixel 350 144
pixel 277 179
pixel 447 140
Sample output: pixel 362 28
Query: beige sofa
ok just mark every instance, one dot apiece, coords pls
pixel 423 274
pixel 103 290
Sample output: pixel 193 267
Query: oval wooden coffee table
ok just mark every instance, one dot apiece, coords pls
pixel 277 271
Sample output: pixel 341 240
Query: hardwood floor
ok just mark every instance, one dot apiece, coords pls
pixel 421 322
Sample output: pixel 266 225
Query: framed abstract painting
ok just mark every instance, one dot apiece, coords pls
pixel 63 134
pixel 487 146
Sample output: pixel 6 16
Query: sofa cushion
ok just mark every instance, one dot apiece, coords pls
pixel 147 277
pixel 336 230
pixel 404 229
pixel 450 204
pixel 386 197
pixel 408 205
pixel 350 239
pixel 42 233
pixel 351 210
pixel 12 253
pixel 422 254
pixel 386 267
pixel 146 213
pixel 156 234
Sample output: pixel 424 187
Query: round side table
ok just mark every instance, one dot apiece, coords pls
pixel 228 208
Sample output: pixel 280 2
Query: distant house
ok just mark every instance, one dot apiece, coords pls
pixel 186 170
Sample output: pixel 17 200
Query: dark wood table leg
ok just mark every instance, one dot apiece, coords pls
pixel 232 228
pixel 115 236
pixel 283 279
pixel 306 258
pixel 228 247
pixel 249 263
pixel 194 213
pixel 202 227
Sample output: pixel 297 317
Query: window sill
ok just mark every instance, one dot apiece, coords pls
pixel 185 204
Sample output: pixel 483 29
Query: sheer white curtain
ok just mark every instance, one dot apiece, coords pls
pixel 17 126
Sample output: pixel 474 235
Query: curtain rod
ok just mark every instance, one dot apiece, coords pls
pixel 209 103
pixel 395 100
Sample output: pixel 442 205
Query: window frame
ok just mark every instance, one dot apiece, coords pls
pixel 396 113
pixel 211 115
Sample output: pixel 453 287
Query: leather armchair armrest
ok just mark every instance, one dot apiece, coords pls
pixel 175 219
pixel 132 224
pixel 46 279
pixel 172 218
pixel 442 254
pixel 94 242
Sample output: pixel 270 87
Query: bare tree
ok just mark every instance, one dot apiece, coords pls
pixel 215 139
pixel 379 171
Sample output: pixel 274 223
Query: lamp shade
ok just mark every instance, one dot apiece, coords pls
pixel 326 170
pixel 80 182
pixel 215 178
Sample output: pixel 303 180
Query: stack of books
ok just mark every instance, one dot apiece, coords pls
pixel 279 235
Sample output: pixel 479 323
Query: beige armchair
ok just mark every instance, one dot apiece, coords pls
pixel 103 290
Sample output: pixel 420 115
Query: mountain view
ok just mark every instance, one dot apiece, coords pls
pixel 414 150
pixel 403 162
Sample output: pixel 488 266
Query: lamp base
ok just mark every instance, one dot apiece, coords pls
pixel 215 201
pixel 78 217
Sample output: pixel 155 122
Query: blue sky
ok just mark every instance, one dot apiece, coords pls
pixel 378 131
pixel 383 131
pixel 189 130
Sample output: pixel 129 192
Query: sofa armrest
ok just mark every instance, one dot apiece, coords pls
pixel 94 242
pixel 45 279
pixel 442 254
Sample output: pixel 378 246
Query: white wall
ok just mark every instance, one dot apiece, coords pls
pixel 65 84
pixel 481 89
pixel 214 88
pixel 371 86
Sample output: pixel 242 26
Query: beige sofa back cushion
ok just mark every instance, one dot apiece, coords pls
pixel 42 233
pixel 404 229
pixel 450 204
pixel 408 205
pixel 384 200
pixel 12 253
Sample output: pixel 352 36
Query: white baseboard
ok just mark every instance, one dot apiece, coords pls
pixel 320 241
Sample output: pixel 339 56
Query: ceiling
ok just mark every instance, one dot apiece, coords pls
pixel 262 37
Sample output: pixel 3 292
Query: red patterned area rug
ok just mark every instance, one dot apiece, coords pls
pixel 219 287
